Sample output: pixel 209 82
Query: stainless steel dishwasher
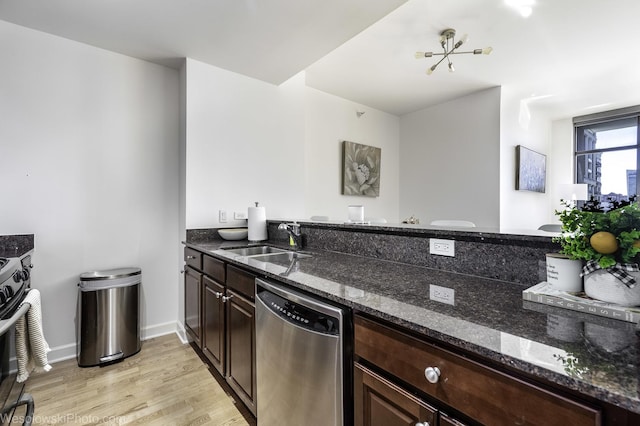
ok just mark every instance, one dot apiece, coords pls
pixel 302 359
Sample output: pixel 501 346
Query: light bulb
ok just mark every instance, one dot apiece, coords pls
pixel 463 40
pixel 420 55
pixel 431 70
pixel 451 68
pixel 487 50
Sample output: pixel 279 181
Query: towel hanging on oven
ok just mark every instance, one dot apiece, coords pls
pixel 31 346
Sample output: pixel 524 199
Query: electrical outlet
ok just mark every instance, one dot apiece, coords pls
pixel 442 247
pixel 222 216
pixel 239 215
pixel 442 294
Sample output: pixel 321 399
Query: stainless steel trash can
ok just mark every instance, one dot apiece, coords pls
pixel 109 317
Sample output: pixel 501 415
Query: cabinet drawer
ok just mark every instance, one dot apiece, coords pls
pixel 213 268
pixel 193 258
pixel 241 281
pixel 482 393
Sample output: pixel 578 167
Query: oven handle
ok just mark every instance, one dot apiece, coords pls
pixel 5 325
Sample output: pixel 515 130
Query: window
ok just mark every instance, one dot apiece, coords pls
pixel 606 153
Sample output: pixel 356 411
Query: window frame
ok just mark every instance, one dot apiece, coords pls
pixel 600 119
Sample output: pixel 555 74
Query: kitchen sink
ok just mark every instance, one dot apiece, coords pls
pixel 255 251
pixel 286 256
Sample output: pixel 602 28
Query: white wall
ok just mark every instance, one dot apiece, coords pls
pixel 245 143
pixel 89 164
pixel 560 164
pixel 248 141
pixel 449 160
pixel 329 121
pixel 524 124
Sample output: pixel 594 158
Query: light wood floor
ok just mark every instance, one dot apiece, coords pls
pixel 166 383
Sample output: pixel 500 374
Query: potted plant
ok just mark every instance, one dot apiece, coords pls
pixel 607 240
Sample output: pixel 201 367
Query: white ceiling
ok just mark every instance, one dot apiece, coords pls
pixel 576 56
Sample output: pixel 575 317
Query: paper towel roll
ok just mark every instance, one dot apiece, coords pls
pixel 257 222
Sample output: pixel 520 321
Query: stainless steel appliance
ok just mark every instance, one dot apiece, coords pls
pixel 302 359
pixel 15 280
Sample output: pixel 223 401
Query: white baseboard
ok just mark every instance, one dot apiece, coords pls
pixel 157 330
pixel 182 333
pixel 68 351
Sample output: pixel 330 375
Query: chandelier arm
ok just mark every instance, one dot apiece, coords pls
pixel 440 61
pixel 466 51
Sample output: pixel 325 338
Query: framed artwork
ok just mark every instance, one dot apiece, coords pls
pixel 531 170
pixel 360 169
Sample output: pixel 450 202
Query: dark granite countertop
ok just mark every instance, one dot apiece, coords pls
pixel 16 245
pixel 591 355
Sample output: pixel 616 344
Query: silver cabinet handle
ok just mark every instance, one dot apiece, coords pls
pixel 218 294
pixel 225 298
pixel 191 257
pixel 432 374
pixel 422 424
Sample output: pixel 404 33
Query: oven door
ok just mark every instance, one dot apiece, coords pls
pixel 12 393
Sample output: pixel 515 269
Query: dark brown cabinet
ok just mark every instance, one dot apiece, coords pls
pixel 213 342
pixel 220 318
pixel 241 335
pixel 213 312
pixel 241 342
pixel 193 295
pixel 456 383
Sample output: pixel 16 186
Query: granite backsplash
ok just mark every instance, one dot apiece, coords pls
pixel 514 258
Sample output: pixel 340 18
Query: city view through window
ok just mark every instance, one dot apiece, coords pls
pixel 607 159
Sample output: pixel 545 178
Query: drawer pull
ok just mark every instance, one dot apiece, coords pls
pixel 226 298
pixel 422 424
pixel 432 374
pixel 190 257
pixel 218 294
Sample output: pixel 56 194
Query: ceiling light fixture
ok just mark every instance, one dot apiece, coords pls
pixel 524 7
pixel 449 47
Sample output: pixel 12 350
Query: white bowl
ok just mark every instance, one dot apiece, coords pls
pixel 233 233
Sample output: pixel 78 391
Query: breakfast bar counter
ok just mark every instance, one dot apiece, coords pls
pixel 594 357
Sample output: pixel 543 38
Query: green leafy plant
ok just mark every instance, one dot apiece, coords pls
pixel 580 224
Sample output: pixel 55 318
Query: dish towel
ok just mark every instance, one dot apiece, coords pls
pixel 31 347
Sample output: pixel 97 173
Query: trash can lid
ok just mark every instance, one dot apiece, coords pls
pixel 110 274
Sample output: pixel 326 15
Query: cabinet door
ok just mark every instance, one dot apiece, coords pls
pixel 241 348
pixel 379 402
pixel 192 299
pixel 448 421
pixel 213 323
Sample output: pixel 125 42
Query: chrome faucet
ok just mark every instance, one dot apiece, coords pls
pixel 295 236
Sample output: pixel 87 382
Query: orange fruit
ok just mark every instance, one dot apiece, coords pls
pixel 604 242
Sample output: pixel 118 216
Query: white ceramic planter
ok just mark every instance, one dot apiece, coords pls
pixel 563 273
pixel 601 285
